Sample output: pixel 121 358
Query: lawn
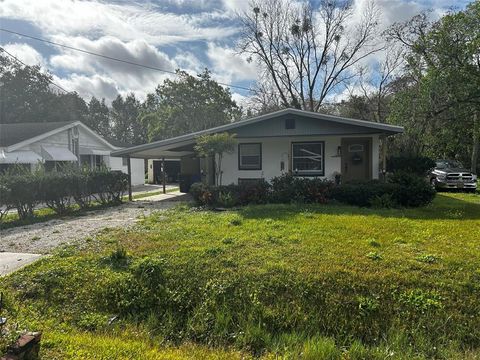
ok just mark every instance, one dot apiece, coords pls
pixel 288 281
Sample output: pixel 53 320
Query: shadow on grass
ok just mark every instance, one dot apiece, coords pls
pixel 444 207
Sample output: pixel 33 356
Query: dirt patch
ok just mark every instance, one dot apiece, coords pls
pixel 42 238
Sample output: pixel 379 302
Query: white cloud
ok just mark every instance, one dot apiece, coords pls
pixel 241 100
pixel 25 53
pixel 229 65
pixel 189 62
pixel 108 75
pixel 127 21
pixel 135 51
pixel 88 86
pixel 236 6
pixel 135 31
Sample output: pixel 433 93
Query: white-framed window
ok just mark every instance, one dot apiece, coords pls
pixel 308 158
pixel 250 156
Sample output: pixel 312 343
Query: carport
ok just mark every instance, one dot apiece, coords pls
pixel 192 167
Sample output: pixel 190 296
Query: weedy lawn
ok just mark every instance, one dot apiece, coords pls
pixel 293 281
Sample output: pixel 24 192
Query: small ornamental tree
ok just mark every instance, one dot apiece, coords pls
pixel 216 145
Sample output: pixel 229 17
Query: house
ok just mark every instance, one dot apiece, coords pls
pixel 56 143
pixel 299 142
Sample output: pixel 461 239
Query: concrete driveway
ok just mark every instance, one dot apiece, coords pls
pixel 10 262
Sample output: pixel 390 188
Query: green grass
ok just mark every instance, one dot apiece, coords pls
pixel 294 281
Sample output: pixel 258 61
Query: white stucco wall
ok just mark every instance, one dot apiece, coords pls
pixel 138 169
pixel 276 150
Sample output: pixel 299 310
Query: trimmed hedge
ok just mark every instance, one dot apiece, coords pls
pixel 400 190
pixel 24 190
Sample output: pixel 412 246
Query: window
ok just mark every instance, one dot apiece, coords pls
pixel 125 161
pixel 86 161
pixel 290 124
pixel 250 156
pixel 99 161
pixel 307 158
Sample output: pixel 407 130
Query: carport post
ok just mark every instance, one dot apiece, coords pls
pixel 163 176
pixel 384 157
pixel 129 171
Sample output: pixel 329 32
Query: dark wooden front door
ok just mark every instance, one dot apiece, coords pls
pixel 356 159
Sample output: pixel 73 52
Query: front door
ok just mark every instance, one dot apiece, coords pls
pixel 356 159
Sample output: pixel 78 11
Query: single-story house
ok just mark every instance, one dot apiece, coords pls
pixel 56 143
pixel 299 142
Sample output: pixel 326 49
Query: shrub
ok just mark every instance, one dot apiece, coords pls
pixel 201 193
pixel 361 193
pixel 5 198
pixel 401 190
pixel 55 191
pixel 23 190
pixel 108 186
pixel 82 188
pixel 418 165
pixel 411 190
pixel 257 193
pixel 230 195
pixel 288 188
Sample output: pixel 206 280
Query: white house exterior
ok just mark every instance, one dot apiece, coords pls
pixel 56 143
pixel 292 141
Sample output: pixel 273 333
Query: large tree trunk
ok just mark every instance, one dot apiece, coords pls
pixel 476 140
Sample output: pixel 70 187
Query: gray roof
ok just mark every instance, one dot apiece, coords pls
pixel 11 134
pixel 377 127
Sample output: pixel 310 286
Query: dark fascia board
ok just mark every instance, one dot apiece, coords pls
pixel 385 128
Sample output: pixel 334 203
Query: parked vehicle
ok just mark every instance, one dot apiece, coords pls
pixel 451 174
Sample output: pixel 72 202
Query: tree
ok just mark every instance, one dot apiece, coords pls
pixel 27 95
pixel 188 104
pixel 306 54
pixel 443 101
pixel 125 120
pixel 98 118
pixel 215 146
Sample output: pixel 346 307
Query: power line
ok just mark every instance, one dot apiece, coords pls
pixel 21 62
pixel 110 57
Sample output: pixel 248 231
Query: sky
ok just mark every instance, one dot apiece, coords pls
pixel 170 34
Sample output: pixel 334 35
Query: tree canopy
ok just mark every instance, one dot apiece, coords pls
pixel 188 104
pixel 440 106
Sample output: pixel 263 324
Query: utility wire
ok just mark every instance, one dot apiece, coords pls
pixel 110 57
pixel 21 62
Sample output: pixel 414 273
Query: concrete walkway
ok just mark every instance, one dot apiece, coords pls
pixel 10 262
pixel 27 242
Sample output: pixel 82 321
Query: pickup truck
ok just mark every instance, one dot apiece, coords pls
pixel 450 174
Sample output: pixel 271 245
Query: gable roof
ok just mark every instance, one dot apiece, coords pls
pixel 377 127
pixel 17 135
pixel 11 134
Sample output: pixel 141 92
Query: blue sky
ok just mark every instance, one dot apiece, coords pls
pixel 170 34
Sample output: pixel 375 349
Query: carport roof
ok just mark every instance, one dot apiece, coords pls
pixel 164 148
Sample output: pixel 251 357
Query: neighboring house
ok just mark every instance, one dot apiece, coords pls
pixel 56 143
pixel 299 142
